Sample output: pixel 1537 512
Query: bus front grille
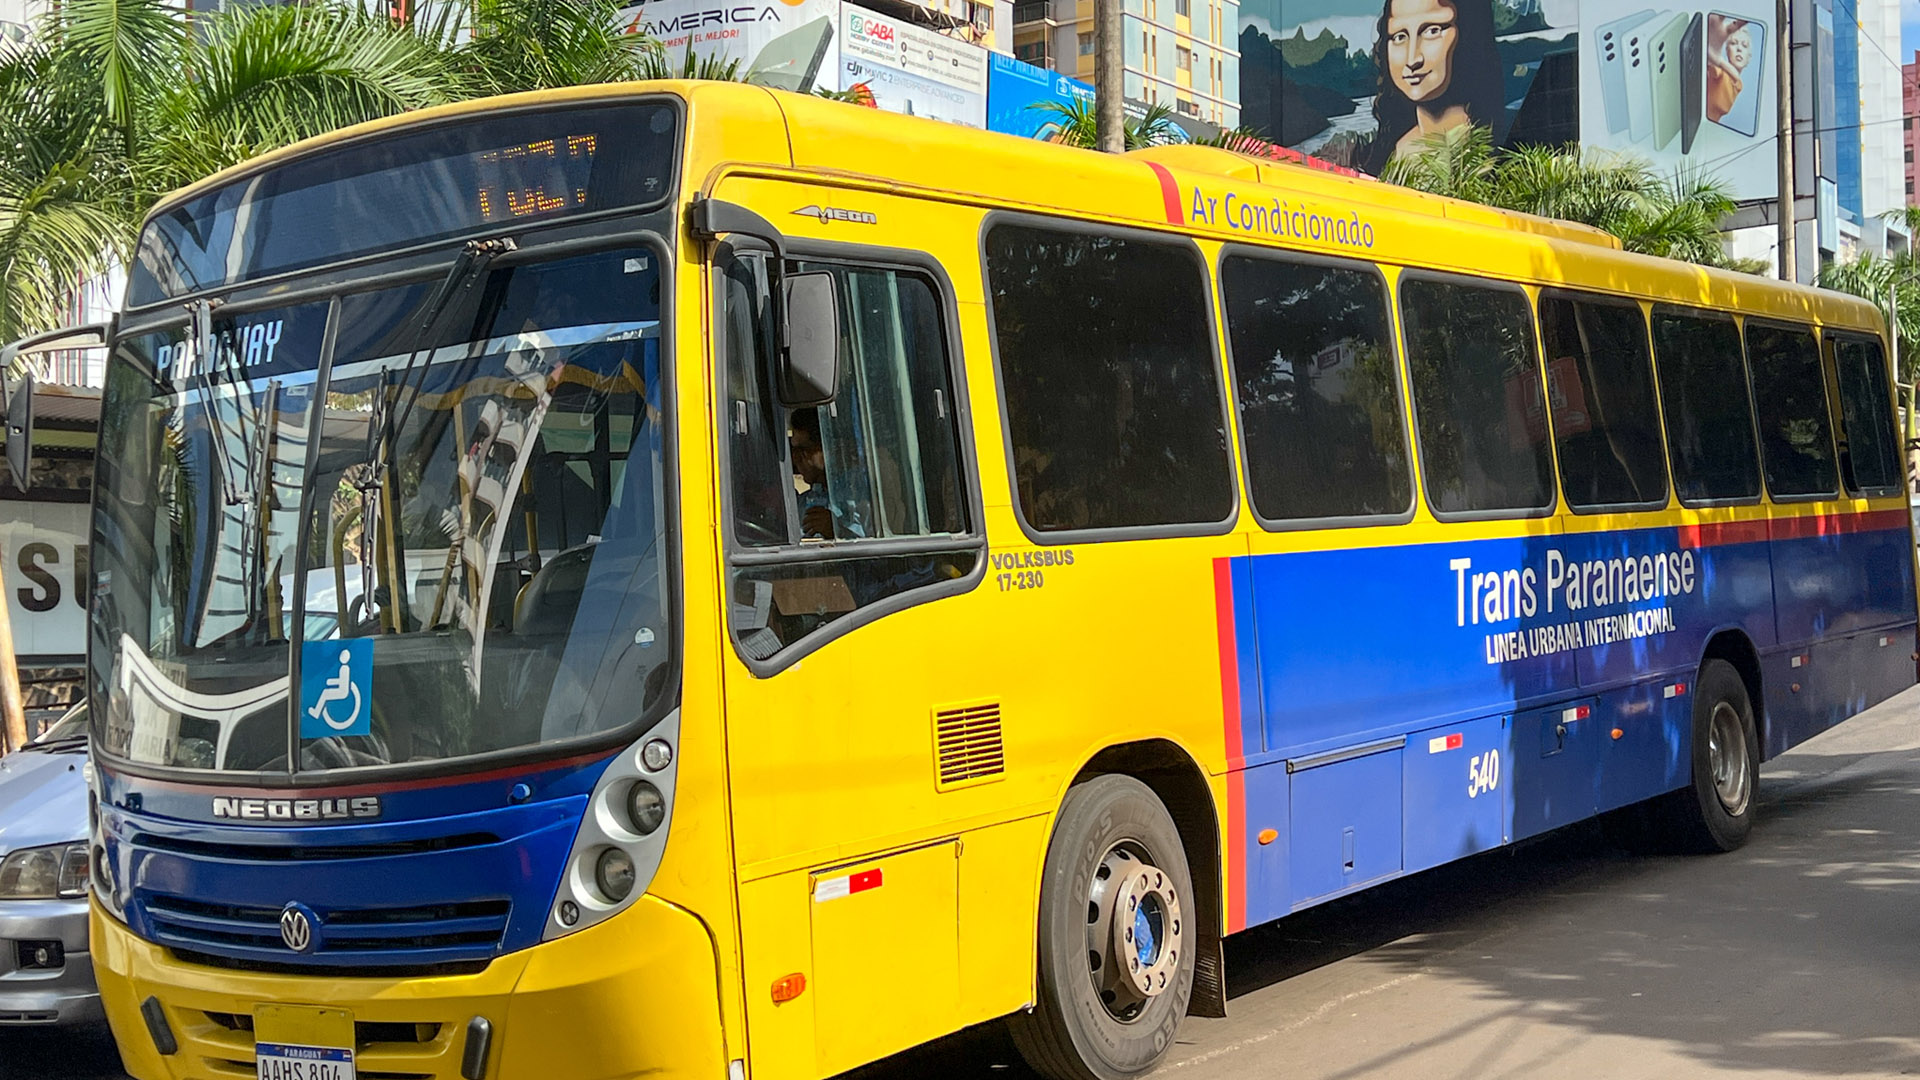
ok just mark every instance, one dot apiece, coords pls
pixel 449 933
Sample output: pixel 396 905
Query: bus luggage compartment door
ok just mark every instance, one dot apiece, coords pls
pixel 1345 819
pixel 1459 791
pixel 1556 768
pixel 886 956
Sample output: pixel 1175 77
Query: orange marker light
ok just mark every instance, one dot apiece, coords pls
pixel 1268 836
pixel 788 987
pixel 1617 733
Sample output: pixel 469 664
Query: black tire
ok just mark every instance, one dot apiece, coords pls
pixel 1714 813
pixel 1071 1033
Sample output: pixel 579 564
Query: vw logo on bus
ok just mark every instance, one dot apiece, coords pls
pixel 299 928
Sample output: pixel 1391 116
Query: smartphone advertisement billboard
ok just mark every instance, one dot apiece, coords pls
pixel 1683 88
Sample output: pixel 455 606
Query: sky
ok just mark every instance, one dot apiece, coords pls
pixel 1909 29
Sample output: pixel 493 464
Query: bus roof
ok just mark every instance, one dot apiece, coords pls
pixel 1158 188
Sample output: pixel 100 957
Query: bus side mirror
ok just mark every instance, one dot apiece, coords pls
pixel 810 363
pixel 19 408
pixel 20 433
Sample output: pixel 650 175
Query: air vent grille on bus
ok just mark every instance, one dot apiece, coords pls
pixel 968 745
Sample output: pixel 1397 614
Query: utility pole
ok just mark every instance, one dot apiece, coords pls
pixel 1109 76
pixel 1783 77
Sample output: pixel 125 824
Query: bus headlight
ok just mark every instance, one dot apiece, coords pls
pixel 646 808
pixel 623 834
pixel 614 874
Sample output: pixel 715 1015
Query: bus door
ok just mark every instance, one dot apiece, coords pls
pixel 854 695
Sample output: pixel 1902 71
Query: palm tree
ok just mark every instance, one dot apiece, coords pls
pixel 1080 125
pixel 121 101
pixel 1676 216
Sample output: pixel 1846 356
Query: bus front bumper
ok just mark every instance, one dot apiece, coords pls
pixel 634 996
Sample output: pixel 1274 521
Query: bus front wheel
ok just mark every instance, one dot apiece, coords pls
pixel 1715 812
pixel 1116 937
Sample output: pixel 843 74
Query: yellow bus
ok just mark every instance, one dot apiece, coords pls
pixel 682 579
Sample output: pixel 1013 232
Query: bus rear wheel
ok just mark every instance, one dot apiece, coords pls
pixel 1715 812
pixel 1115 937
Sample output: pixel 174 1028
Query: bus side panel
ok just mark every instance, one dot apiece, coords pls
pixel 1840 573
pixel 1384 640
pixel 1646 736
pixel 1459 791
pixel 1846 574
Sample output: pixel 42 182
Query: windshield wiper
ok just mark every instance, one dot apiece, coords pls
pixel 466 269
pixel 201 312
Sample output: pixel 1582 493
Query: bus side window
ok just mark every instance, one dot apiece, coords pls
pixel 839 507
pixel 1116 416
pixel 1791 393
pixel 1600 385
pixel 1479 411
pixel 1709 413
pixel 1871 464
pixel 1314 376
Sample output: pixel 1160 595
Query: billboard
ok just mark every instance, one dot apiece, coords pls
pixel 911 70
pixel 1016 92
pixel 44 545
pixel 1355 81
pixel 1687 87
pixel 788 44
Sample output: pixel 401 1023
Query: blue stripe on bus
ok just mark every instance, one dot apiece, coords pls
pixel 1486 680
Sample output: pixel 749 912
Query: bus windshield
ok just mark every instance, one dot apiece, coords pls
pixel 450 542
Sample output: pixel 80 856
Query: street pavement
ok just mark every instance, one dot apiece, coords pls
pixel 1797 956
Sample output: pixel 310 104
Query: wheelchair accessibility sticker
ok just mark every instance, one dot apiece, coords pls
pixel 336 688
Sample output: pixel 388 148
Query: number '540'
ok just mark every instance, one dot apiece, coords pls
pixel 1483 773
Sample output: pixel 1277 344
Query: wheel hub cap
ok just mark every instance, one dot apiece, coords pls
pixel 1727 758
pixel 1135 931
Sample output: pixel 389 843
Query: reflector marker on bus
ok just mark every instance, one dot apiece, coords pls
pixel 1885 641
pixel 1675 690
pixel 1799 660
pixel 1578 712
pixel 1440 744
pixel 834 888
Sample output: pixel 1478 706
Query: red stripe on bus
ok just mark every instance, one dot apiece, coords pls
pixel 864 880
pixel 1790 528
pixel 1234 848
pixel 1801 528
pixel 1169 193
pixel 1721 533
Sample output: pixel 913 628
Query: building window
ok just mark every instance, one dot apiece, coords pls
pixel 1183 7
pixel 1909 155
pixel 1086 44
pixel 1187 107
pixel 1183 59
pixel 1034 52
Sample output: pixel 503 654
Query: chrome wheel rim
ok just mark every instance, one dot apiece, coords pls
pixel 1727 758
pixel 1136 931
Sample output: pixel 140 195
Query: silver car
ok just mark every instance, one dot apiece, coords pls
pixel 45 974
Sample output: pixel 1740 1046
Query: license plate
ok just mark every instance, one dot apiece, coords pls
pixel 281 1061
pixel 302 1042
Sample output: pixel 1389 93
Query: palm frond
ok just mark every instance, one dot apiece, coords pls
pixel 125 46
